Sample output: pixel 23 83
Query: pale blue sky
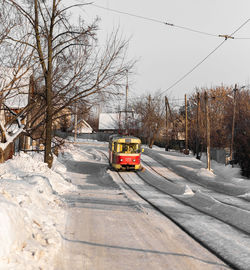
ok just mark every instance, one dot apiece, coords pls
pixel 165 53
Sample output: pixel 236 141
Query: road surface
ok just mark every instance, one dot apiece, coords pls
pixel 110 227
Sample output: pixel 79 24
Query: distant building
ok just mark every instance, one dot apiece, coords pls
pixel 108 122
pixel 15 90
pixel 116 122
pixel 83 127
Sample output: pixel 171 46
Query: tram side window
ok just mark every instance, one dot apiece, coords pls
pixel 114 147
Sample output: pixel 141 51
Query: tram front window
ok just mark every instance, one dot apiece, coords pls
pixel 130 148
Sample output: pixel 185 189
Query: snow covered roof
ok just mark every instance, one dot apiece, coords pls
pixel 15 90
pixel 114 121
pixel 83 127
pixel 108 121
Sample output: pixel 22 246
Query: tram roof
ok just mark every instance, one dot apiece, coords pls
pixel 124 139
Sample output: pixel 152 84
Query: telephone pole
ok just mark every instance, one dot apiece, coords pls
pixel 186 152
pixel 75 124
pixel 126 106
pixel 167 139
pixel 208 131
pixel 233 123
pixel 198 126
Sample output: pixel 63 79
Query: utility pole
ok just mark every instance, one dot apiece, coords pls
pixel 186 152
pixel 126 106
pixel 149 119
pixel 233 123
pixel 167 139
pixel 208 131
pixel 75 125
pixel 172 120
pixel 198 126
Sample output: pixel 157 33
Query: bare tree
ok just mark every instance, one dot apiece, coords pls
pixel 14 77
pixel 71 66
pixel 151 111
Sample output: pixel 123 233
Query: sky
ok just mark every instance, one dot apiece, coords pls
pixel 166 53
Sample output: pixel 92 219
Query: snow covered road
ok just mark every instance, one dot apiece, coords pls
pixel 110 227
pixel 81 215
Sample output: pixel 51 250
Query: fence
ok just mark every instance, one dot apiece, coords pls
pixel 99 136
pixel 219 155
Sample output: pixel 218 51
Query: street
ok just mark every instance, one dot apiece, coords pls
pixel 109 227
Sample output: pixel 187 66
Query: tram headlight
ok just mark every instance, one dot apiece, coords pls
pixel 133 160
pixel 121 159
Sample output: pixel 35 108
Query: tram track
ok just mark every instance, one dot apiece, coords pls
pixel 131 180
pixel 217 214
pixel 244 228
pixel 240 203
pixel 123 176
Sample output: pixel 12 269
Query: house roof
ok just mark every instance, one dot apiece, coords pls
pixel 82 126
pixel 108 121
pixel 115 121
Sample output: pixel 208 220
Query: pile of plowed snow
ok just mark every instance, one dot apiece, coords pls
pixel 31 212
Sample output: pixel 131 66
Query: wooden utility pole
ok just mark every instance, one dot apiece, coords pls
pixel 172 120
pixel 233 123
pixel 167 139
pixel 149 120
pixel 126 106
pixel 186 152
pixel 75 125
pixel 207 131
pixel 198 126
pixel 30 97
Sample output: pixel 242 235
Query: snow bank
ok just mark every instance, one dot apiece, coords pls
pixel 11 220
pixel 221 178
pixel 31 212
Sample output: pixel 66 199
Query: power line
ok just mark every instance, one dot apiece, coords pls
pixel 156 21
pixel 169 24
pixel 204 59
pixel 226 37
pixel 129 14
pixel 242 38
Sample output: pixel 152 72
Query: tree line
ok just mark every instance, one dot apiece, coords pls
pixel 67 66
pixel 163 124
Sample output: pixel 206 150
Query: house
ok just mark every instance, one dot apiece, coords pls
pixel 117 122
pixel 83 127
pixel 14 89
pixel 108 122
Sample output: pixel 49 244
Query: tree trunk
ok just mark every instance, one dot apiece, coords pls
pixel 152 139
pixel 48 156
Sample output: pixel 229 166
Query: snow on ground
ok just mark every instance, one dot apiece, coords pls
pixel 32 210
pixel 218 193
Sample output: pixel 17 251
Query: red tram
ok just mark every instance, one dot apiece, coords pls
pixel 125 152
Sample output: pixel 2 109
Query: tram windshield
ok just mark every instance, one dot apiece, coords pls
pixel 128 148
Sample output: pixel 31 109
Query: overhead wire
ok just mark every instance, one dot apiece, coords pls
pixel 226 37
pixel 156 20
pixel 129 14
pixel 204 59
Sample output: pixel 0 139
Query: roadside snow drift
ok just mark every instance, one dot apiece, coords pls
pixel 31 212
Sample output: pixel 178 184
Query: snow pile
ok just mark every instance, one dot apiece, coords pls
pixel 31 212
pixel 221 197
pixel 222 178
